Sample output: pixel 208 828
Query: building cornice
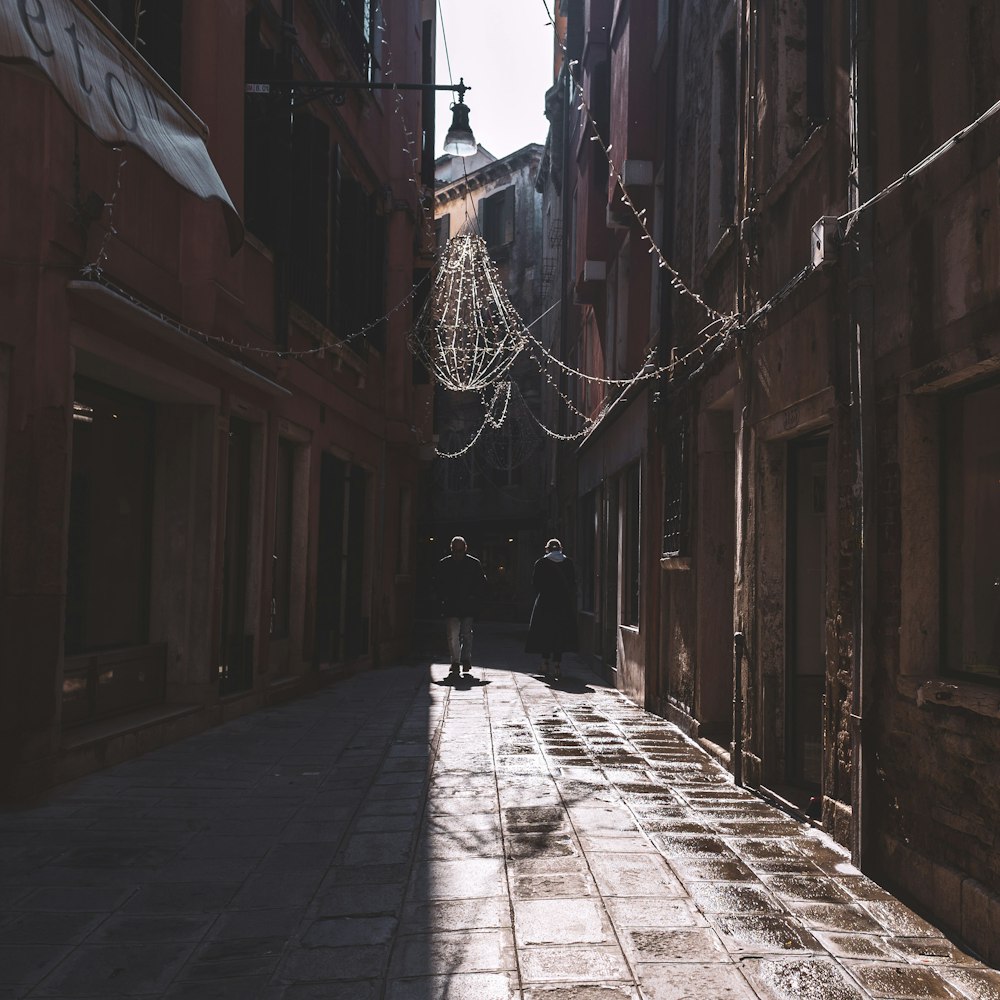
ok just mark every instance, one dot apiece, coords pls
pixel 488 173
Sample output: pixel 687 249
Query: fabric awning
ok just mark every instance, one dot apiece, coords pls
pixel 113 91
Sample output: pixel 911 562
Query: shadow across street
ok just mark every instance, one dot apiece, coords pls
pixel 405 836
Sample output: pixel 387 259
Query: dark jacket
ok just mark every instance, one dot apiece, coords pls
pixel 459 584
pixel 553 618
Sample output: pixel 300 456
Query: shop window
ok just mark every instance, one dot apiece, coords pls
pixel 498 218
pixel 630 546
pixel 676 506
pixel 236 647
pixel 342 625
pixel 154 28
pixel 281 560
pixel 108 568
pixel 971 469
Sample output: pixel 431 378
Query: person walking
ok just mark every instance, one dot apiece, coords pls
pixel 552 630
pixel 459 583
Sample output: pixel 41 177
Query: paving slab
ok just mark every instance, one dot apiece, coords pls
pixel 398 836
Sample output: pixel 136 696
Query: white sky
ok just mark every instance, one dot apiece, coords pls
pixel 503 49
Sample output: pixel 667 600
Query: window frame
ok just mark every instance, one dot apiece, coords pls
pixel 630 611
pixel 677 488
pixel 953 569
pixel 498 213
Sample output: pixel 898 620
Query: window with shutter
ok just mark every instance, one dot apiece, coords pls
pixel 359 278
pixel 310 206
pixel 358 24
pixel 497 214
pixel 443 230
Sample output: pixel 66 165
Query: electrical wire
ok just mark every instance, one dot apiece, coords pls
pixel 849 217
pixel 444 39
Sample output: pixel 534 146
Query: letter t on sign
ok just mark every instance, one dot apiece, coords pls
pixel 77 48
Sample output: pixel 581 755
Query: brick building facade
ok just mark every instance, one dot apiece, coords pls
pixel 816 580
pixel 207 476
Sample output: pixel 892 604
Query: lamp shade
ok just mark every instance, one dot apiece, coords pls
pixel 460 141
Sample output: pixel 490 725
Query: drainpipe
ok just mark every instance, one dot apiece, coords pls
pixel 861 318
pixel 738 646
pixel 742 583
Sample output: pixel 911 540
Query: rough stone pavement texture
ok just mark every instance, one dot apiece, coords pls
pixel 401 837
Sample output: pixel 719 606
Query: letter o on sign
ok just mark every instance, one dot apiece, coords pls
pixel 121 101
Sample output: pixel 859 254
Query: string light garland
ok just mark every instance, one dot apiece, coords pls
pixel 476 356
pixel 242 348
pixel 567 402
pixel 468 333
pixel 510 445
pixel 676 281
pixel 648 370
pixel 95 269
pixel 501 396
pixel 707 339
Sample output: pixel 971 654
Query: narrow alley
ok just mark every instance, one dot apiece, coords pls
pixel 398 836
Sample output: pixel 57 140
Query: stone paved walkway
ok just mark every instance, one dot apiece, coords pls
pixel 399 837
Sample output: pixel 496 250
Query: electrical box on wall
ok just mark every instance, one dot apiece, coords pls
pixel 825 241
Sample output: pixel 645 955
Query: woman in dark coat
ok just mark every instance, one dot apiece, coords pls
pixel 552 630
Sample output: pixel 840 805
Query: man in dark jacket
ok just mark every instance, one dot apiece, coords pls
pixel 459 583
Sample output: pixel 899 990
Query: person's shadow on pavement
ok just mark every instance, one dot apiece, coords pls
pixel 463 683
pixel 571 685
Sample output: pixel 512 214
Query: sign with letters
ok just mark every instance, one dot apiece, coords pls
pixel 111 89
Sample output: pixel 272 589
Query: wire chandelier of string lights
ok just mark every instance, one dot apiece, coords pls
pixel 468 333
